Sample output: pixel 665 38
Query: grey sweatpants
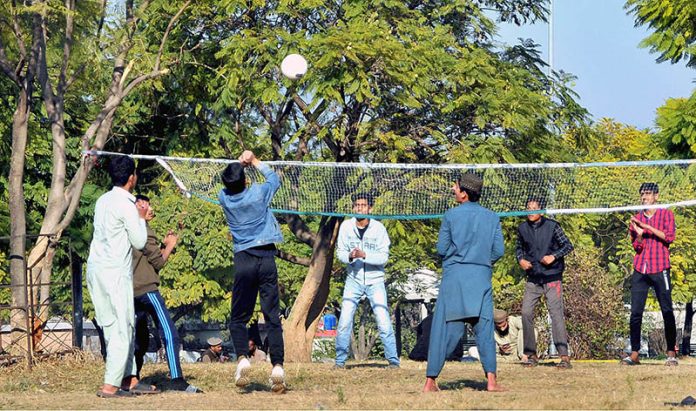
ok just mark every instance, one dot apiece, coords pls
pixel 554 301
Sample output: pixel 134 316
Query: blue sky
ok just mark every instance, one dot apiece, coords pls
pixel 596 41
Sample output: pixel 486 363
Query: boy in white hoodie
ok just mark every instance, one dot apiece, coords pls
pixel 363 244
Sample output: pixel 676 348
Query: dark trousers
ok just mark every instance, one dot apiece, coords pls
pixel 553 292
pixel 662 284
pixel 152 304
pixel 256 275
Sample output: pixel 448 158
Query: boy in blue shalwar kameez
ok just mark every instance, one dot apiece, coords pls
pixel 470 241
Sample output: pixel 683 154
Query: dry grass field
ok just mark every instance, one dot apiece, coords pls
pixel 71 383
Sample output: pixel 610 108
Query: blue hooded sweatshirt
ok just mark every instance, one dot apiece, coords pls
pixel 248 213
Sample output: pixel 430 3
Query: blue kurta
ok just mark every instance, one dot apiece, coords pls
pixel 470 241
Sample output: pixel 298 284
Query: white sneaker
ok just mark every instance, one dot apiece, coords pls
pixel 241 376
pixel 277 379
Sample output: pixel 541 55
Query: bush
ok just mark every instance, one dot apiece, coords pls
pixel 594 310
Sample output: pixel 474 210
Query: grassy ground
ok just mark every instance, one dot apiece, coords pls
pixel 71 383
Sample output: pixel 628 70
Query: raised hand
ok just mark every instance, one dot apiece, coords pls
pixel 171 239
pixel 247 157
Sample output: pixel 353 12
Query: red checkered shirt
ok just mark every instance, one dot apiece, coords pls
pixel 652 254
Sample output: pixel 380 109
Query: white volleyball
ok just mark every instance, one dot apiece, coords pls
pixel 293 66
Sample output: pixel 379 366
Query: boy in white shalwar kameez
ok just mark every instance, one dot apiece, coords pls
pixel 118 226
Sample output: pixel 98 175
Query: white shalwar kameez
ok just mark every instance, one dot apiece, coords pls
pixel 117 228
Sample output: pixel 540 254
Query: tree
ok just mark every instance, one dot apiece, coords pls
pixel 673 23
pixel 387 82
pixel 673 37
pixel 47 46
pixel 408 82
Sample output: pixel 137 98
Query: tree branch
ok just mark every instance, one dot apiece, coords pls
pixel 149 76
pixel 18 32
pixel 67 45
pixel 303 261
pixel 6 66
pixel 166 33
pixel 299 228
pixel 82 67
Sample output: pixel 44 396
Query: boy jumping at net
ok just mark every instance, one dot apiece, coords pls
pixel 652 231
pixel 254 231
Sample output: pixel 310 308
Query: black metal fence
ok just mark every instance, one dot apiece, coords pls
pixel 34 326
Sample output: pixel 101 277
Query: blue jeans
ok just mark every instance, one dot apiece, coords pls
pixel 377 295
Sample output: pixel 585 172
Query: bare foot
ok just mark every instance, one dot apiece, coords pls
pixel 493 385
pixel 430 385
pixel 109 389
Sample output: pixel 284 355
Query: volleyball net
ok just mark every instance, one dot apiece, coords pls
pixel 424 191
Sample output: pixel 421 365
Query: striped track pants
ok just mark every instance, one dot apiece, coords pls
pixel 152 304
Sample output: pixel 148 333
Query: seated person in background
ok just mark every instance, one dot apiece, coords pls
pixel 509 339
pixel 214 352
pixel 255 353
pixel 420 350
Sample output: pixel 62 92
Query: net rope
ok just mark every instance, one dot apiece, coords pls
pixel 424 191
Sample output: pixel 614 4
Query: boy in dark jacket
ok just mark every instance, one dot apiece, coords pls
pixel 541 248
pixel 149 302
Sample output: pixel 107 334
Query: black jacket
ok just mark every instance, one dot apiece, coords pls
pixel 536 240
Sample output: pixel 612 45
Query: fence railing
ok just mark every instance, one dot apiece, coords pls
pixel 33 325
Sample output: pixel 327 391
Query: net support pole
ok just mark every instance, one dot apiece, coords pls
pixel 178 182
pixel 78 313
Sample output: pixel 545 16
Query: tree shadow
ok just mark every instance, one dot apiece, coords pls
pixel 476 385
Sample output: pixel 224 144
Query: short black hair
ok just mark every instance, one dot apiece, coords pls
pixel 120 170
pixel 364 196
pixel 474 196
pixel 536 199
pixel 652 187
pixel 233 178
pixel 142 197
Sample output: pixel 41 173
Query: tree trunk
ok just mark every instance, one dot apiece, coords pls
pixel 18 227
pixel 301 325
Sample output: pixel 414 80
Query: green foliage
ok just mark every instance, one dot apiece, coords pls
pixel 674 28
pixel 673 36
pixel 676 120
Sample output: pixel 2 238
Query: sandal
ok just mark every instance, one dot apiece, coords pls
pixel 118 394
pixel 564 364
pixel 628 361
pixel 531 362
pixel 142 389
pixel 671 362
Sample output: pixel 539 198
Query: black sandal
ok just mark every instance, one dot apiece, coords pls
pixel 531 362
pixel 564 364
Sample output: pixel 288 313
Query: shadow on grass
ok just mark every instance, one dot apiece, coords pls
pixel 478 385
pixel 367 365
pixel 256 387
pixel 161 380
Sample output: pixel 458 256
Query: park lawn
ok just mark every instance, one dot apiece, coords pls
pixel 71 383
